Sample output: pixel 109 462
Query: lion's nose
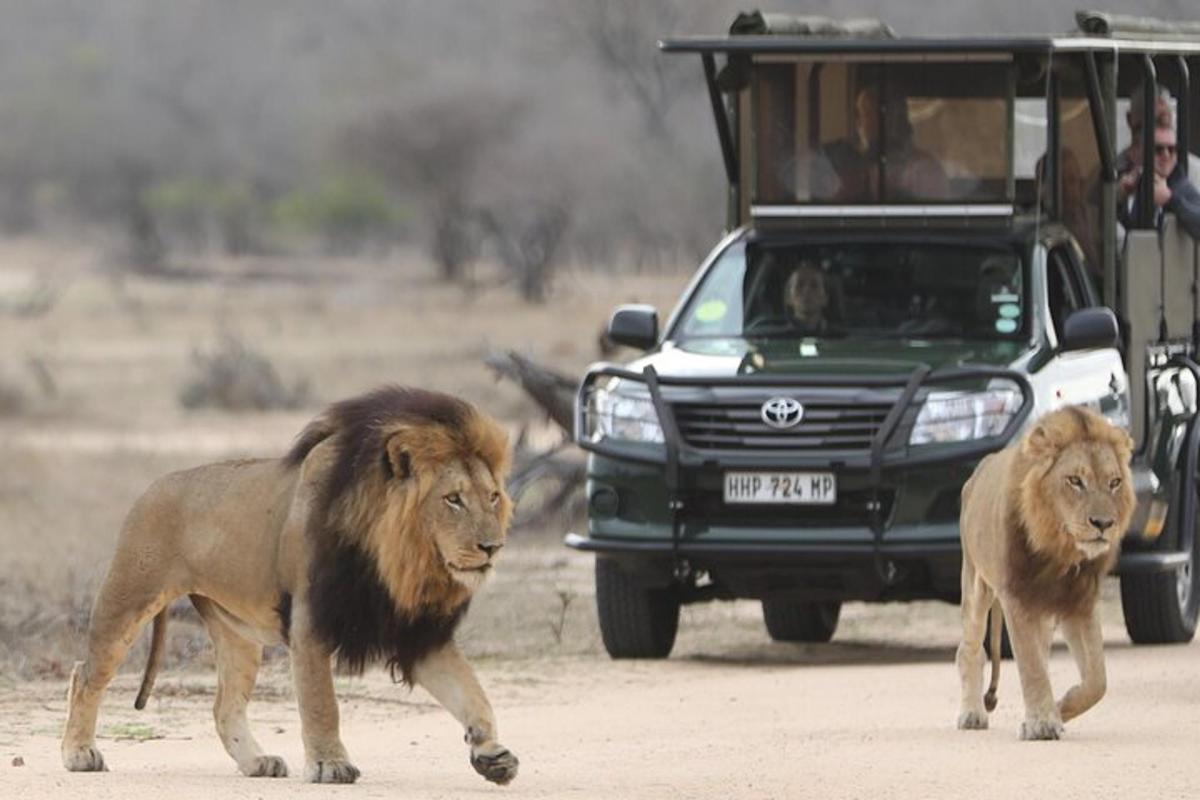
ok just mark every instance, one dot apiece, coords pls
pixel 490 549
pixel 1100 524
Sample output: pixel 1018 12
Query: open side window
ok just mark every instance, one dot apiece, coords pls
pixel 849 132
pixel 1065 291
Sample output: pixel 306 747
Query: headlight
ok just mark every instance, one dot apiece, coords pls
pixel 621 412
pixel 961 416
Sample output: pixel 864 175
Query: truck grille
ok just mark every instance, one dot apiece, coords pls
pixel 826 425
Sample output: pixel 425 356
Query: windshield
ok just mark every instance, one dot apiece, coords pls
pixel 862 290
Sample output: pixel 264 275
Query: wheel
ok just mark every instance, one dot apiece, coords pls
pixel 635 621
pixel 800 622
pixel 1162 607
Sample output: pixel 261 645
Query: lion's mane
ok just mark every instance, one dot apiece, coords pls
pixel 378 587
pixel 1046 569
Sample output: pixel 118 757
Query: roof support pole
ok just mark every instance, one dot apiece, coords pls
pixel 1051 171
pixel 1183 108
pixel 1145 190
pixel 1108 160
pixel 1106 88
pixel 721 116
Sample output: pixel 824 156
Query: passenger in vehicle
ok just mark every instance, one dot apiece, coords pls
pixel 1173 190
pixel 848 171
pixel 805 298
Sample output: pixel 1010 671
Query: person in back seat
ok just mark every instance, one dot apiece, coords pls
pixel 849 170
pixel 1173 190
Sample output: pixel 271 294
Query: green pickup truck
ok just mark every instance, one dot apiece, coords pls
pixel 922 256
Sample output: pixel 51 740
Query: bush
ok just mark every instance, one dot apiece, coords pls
pixel 345 211
pixel 235 378
pixel 12 399
pixel 202 211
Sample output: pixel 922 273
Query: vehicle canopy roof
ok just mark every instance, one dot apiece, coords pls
pixel 824 120
pixel 758 32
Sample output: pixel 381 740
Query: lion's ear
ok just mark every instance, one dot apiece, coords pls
pixel 1038 443
pixel 397 461
pixel 1124 445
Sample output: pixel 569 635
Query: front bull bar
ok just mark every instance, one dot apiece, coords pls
pixel 883 454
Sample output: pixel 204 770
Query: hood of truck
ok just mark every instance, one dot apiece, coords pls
pixel 732 356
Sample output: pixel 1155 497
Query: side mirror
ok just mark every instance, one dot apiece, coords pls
pixel 634 325
pixel 1089 328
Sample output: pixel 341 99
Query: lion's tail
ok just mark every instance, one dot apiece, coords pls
pixel 996 620
pixel 157 636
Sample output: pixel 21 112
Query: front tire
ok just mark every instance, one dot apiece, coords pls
pixel 801 622
pixel 1163 607
pixel 635 621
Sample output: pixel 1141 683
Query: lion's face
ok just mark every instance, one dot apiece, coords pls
pixel 466 511
pixel 432 511
pixel 1077 497
pixel 1089 489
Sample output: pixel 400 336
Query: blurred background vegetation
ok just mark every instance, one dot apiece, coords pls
pixel 533 132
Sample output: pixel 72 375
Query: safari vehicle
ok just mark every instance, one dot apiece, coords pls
pixel 956 200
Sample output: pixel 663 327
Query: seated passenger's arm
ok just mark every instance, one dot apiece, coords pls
pixel 1185 203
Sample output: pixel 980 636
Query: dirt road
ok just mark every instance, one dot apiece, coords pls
pixel 839 721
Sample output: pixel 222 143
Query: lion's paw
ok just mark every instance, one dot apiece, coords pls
pixel 266 767
pixel 333 770
pixel 1041 729
pixel 84 759
pixel 973 721
pixel 494 762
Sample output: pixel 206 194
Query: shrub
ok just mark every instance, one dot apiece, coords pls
pixel 345 211
pixel 202 211
pixel 235 378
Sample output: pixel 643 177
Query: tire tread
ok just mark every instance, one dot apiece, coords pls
pixel 635 621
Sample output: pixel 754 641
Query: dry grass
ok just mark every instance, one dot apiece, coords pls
pixel 120 352
pixel 233 377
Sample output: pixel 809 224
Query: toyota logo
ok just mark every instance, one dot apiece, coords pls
pixel 782 412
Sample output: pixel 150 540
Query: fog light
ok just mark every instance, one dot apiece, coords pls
pixel 604 502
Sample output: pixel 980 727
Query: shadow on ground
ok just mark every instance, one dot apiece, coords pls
pixel 833 653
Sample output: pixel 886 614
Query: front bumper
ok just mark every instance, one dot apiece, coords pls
pixel 778 552
pixel 800 553
pixel 803 571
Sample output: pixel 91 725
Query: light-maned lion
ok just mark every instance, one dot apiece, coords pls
pixel 364 543
pixel 1041 523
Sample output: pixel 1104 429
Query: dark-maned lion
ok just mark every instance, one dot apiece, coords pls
pixel 365 542
pixel 1041 523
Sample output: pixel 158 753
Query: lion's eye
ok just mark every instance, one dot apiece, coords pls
pixel 1075 481
pixel 495 498
pixel 1114 483
pixel 455 501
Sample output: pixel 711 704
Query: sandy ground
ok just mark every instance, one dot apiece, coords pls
pixel 730 715
pixel 780 721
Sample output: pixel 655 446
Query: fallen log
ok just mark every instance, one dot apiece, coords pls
pixel 553 391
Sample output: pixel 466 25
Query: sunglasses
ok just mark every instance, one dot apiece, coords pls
pixel 1164 149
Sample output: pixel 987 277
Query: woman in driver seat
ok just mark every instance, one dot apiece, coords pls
pixel 805 298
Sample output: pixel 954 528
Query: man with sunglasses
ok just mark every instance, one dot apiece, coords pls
pixel 1173 191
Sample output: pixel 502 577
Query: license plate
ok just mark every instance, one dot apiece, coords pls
pixel 801 488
